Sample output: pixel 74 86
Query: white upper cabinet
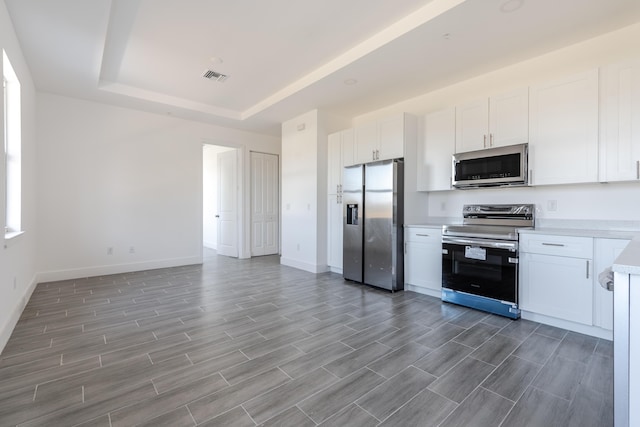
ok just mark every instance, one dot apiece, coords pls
pixel 620 122
pixel 493 122
pixel 563 144
pixel 384 139
pixel 435 151
pixel 334 163
pixel 366 144
pixel 340 154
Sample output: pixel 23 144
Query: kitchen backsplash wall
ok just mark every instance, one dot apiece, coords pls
pixel 615 201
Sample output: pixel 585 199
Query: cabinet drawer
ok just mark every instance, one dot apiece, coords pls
pixel 568 246
pixel 423 235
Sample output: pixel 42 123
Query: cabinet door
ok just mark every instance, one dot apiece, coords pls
pixel 335 231
pixel 391 138
pixel 606 252
pixel 366 142
pixel 556 286
pixel 423 265
pixel 435 151
pixel 619 122
pixel 348 149
pixel 509 118
pixel 563 144
pixel 472 123
pixel 334 163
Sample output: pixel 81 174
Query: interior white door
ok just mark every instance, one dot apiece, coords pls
pixel 227 215
pixel 264 204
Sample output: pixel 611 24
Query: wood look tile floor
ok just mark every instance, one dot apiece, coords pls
pixel 250 342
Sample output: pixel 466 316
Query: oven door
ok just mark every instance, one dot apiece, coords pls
pixel 484 267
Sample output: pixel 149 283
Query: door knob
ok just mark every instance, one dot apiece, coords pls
pixel 217 216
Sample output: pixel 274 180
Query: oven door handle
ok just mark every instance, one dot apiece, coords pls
pixel 482 243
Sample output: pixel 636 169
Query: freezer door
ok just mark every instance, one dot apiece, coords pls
pixel 353 209
pixel 383 235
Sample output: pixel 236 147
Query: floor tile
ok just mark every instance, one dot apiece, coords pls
pixel 577 347
pixel 394 362
pixel 387 397
pixel 481 409
pixel 589 409
pixel 495 350
pixel 305 363
pixel 512 377
pixel 537 348
pixel 537 408
pixel 352 416
pixel 334 398
pixel 215 404
pixel 460 381
pixel 287 395
pixel 349 363
pixel 177 418
pixel 560 377
pixel 426 409
pixel 237 417
pixel 291 417
pixel 440 335
pixel 442 359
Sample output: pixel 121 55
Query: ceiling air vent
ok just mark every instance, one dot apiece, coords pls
pixel 214 75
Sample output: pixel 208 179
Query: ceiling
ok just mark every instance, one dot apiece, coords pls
pixel 286 57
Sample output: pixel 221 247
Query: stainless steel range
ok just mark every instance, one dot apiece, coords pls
pixel 480 257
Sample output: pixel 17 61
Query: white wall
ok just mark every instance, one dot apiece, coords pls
pixel 18 256
pixel 111 177
pixel 300 179
pixel 596 201
pixel 210 194
pixel 304 189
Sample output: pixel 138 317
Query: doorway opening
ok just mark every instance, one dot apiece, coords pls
pixel 220 198
pixel 240 202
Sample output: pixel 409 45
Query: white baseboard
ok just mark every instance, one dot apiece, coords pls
pixel 424 291
pixel 335 270
pixel 301 265
pixel 103 270
pixel 594 331
pixel 7 329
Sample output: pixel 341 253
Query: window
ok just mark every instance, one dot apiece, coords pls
pixel 12 149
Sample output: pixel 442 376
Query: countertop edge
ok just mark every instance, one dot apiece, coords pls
pixel 628 262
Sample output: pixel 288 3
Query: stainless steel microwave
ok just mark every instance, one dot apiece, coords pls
pixel 493 167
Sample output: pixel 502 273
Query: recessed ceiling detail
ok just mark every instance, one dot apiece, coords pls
pixel 145 54
pixel 214 75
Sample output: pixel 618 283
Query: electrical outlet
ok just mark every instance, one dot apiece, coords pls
pixel 552 205
pixel 109 250
pixel 298 246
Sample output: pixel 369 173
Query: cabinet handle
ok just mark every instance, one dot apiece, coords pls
pixel 373 154
pixel 637 169
pixel 377 154
pixel 530 176
pixel 423 235
pixel 553 244
pixel 484 141
pixel 405 247
pixel 490 140
pixel 587 269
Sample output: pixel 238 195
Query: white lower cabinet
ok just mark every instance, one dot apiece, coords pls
pixel 556 277
pixel 423 260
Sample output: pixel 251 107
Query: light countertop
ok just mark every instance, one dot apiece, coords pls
pixel 629 260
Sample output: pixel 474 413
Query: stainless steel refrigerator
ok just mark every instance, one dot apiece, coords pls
pixel 373 220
